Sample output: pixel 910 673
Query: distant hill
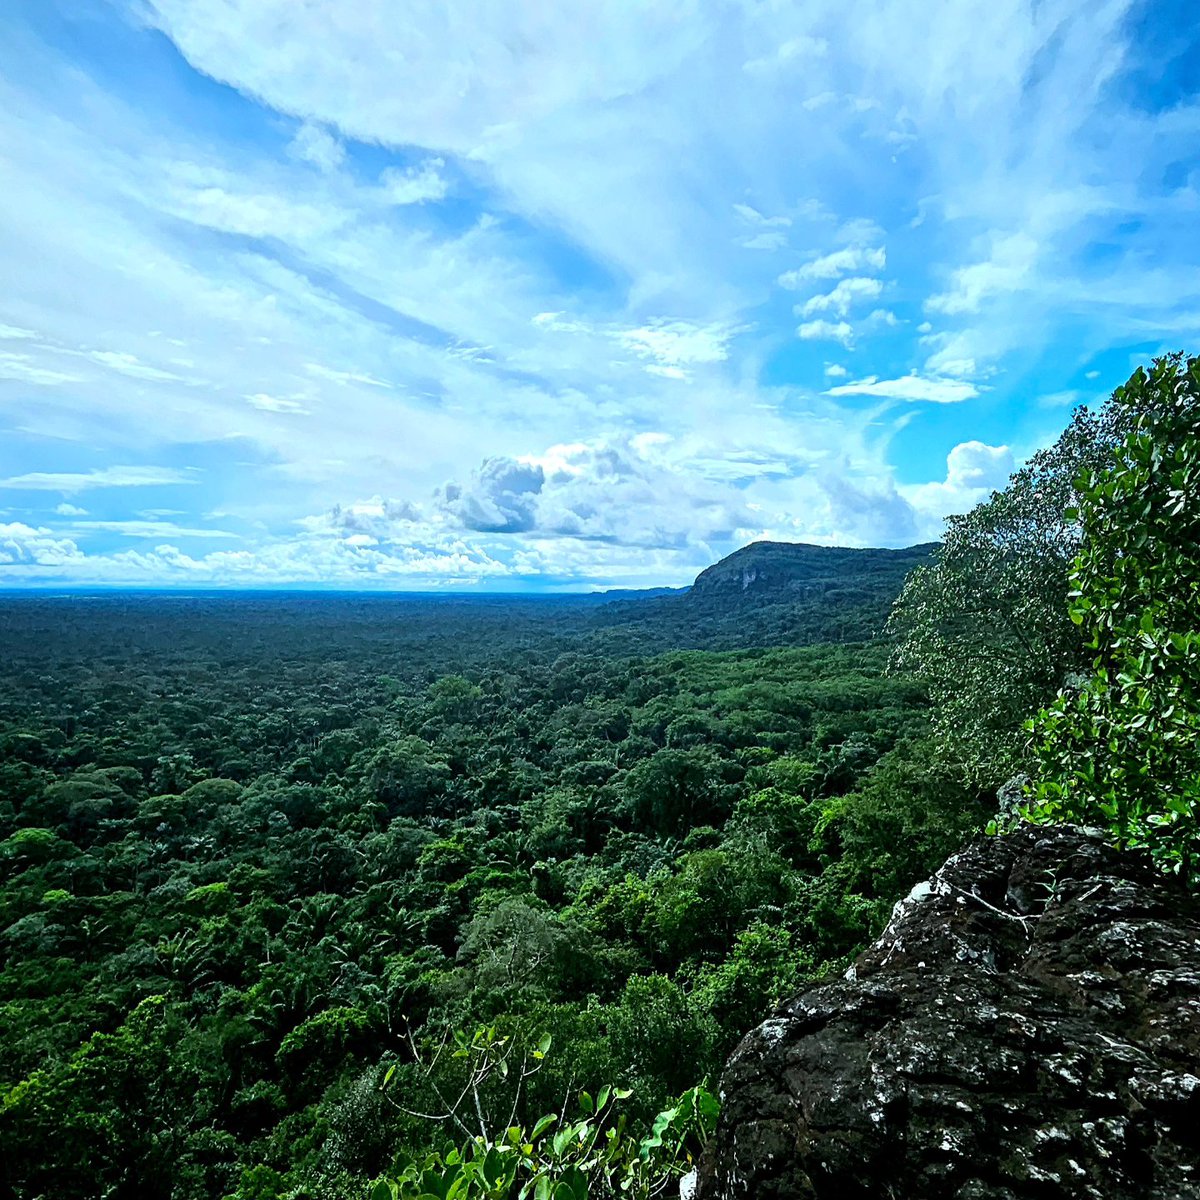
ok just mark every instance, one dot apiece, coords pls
pixel 779 572
pixel 767 594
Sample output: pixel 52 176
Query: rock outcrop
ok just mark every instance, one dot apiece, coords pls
pixel 1027 1026
pixel 774 572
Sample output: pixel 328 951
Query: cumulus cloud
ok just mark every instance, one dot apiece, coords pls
pixel 830 331
pixel 974 470
pixel 978 465
pixel 500 497
pixel 638 491
pixel 24 546
pixel 868 512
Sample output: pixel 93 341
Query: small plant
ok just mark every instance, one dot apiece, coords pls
pixel 590 1154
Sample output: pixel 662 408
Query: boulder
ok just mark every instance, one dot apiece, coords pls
pixel 1028 1025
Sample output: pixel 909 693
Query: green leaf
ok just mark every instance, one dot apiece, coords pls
pixel 542 1124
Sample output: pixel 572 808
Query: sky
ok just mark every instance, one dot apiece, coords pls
pixel 524 295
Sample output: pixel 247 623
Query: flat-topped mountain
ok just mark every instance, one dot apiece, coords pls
pixel 768 594
pixel 780 571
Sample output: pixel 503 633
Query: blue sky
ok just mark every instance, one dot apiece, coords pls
pixel 535 296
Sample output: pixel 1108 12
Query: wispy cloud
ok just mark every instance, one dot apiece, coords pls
pixel 909 387
pixel 100 477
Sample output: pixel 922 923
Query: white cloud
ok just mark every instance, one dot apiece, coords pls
pixel 836 371
pixel 24 546
pixel 23 369
pixel 754 217
pixel 839 331
pixel 10 333
pixel 279 404
pixel 344 377
pixel 219 199
pixel 788 51
pixel 148 529
pixel 973 471
pixel 843 297
pixel 416 185
pixel 679 343
pixel 909 387
pixel 838 262
pixel 501 497
pixel 131 365
pixel 1008 268
pixel 70 510
pixel 769 239
pixel 977 465
pixel 318 146
pixel 820 100
pixel 78 481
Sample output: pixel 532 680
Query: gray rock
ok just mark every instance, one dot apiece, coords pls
pixel 1028 1025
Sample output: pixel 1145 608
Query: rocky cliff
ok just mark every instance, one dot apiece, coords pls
pixel 1027 1026
pixel 771 572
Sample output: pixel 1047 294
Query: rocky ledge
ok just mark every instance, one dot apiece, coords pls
pixel 1028 1025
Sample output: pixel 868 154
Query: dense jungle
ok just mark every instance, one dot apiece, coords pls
pixel 313 894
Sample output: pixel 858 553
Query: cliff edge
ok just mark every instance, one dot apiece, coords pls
pixel 1028 1025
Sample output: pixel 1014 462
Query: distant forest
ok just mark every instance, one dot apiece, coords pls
pixel 259 845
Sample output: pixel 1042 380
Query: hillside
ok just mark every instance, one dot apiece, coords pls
pixel 766 594
pixel 775 572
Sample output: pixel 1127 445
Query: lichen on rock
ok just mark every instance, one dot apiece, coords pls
pixel 1028 1025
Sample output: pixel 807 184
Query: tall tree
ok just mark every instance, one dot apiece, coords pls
pixel 986 626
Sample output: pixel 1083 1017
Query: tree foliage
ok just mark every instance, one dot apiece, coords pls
pixel 255 859
pixel 985 625
pixel 1122 749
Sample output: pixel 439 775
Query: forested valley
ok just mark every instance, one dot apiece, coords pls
pixel 300 890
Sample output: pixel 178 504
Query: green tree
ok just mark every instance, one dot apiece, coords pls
pixel 985 626
pixel 1123 749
